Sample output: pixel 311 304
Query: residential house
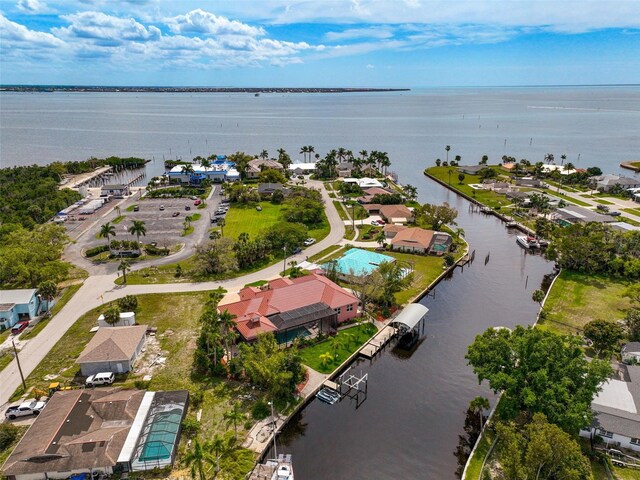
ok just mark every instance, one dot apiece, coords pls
pixel 369 193
pixel 358 262
pixel 267 189
pixel 631 353
pixel 292 307
pixel 372 208
pixel 493 184
pixel 529 182
pixel 412 240
pixel 391 230
pixel 396 214
pixel 99 431
pixel 257 165
pixel 344 169
pixel 471 169
pixel 19 304
pixel 364 182
pixel 574 214
pixel 302 168
pixel 119 190
pixel 112 350
pixel 606 182
pixel 615 412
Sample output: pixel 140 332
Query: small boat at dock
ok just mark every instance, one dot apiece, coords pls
pixel 527 241
pixel 328 396
pixel 280 468
pixel 512 224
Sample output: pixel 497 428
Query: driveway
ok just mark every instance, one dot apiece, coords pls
pixel 100 288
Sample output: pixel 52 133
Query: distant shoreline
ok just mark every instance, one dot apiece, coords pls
pixel 254 90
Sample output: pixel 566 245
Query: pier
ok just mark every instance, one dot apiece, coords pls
pixel 377 343
pixel 76 181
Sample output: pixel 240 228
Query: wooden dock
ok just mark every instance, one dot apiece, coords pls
pixel 374 345
pixel 332 385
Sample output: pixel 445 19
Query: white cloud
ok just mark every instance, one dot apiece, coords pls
pixel 200 21
pixel 106 30
pixel 31 6
pixel 353 33
pixel 16 36
pixel 369 65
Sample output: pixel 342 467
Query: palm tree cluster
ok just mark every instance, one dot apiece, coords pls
pixel 108 230
pixel 369 163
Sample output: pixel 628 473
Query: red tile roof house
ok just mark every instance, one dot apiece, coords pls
pixel 396 214
pixel 417 240
pixel 291 308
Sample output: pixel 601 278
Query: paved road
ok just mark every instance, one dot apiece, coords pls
pixel 98 289
pixel 618 203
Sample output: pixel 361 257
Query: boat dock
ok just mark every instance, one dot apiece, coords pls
pixel 84 179
pixel 381 338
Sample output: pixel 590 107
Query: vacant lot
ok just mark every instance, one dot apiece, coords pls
pixel 578 298
pixel 486 197
pixel 246 219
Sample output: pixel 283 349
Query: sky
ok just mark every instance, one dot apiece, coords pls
pixel 320 43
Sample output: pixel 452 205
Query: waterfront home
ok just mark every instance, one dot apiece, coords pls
pixel 344 169
pixel 100 431
pixel 615 412
pixel 369 193
pixel 358 262
pixel 306 168
pixel 606 182
pixel 364 182
pixel 112 350
pixel 267 189
pixel 220 170
pixel 418 240
pixel 631 353
pixel 471 169
pixel 574 214
pixel 549 167
pixel 493 184
pixel 257 165
pixel 396 214
pixel 292 307
pixel 19 304
pixel 372 208
pixel 529 182
pixel 120 190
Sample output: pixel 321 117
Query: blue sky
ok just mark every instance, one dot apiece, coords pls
pixel 370 43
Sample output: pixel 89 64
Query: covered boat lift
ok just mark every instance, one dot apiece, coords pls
pixel 409 318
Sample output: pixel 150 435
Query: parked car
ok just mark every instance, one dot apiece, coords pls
pixel 197 202
pixel 309 241
pixel 161 207
pixel 102 378
pixel 214 220
pixel 602 208
pixel 175 214
pixel 296 251
pixel 194 198
pixel 24 409
pixel 19 327
pixel 225 201
pixel 136 208
pixel 614 214
pixel 187 208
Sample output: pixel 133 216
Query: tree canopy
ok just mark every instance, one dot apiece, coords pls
pixel 435 216
pixel 538 371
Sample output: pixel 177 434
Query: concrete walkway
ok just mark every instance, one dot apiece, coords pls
pixel 99 289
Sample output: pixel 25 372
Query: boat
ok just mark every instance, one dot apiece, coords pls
pixel 328 396
pixel 512 224
pixel 280 468
pixel 527 241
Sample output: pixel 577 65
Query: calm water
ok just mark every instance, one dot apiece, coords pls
pixel 409 425
pixel 601 124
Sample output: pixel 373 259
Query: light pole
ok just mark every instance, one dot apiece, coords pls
pixel 284 261
pixel 273 427
pixel 15 351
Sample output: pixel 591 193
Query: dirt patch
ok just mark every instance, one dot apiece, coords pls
pixel 153 357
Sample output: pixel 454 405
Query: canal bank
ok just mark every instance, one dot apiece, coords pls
pixel 409 425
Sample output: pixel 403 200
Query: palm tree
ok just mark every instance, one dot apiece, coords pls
pixel 410 191
pixel 107 230
pixel 264 154
pixel 234 416
pixel 479 405
pixel 112 315
pixel 197 457
pixel 363 154
pixel 221 446
pixel 221 224
pixel 138 228
pixel 187 220
pixel 215 235
pixel 124 267
pixel 342 153
pixel 569 166
pixel 325 358
pixel 311 149
pixel 304 150
pixel 549 158
pixel 447 148
pixel 227 326
pixel 563 157
pixel 48 291
pixel 381 238
pixel 187 169
pixel 205 163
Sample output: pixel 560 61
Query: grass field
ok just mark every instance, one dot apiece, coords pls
pixel 487 197
pixel 359 335
pixel 567 199
pixel 622 474
pixel 578 298
pixel 635 211
pixel 246 219
pixel 4 454
pixel 629 221
pixel 475 463
pixel 341 212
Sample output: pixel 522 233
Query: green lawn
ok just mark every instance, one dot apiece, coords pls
pixel 5 359
pixel 367 232
pixel 4 454
pixel 604 202
pixel 566 198
pixel 324 253
pixel 118 219
pixel 195 217
pixel 475 463
pixel 578 298
pixel 187 231
pixel 624 474
pixel 487 197
pixel 341 212
pixel 311 355
pixel 426 269
pixel 131 207
pixel 629 221
pixel 246 219
pixel 67 293
pixel 635 211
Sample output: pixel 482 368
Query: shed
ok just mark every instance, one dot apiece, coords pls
pixel 127 319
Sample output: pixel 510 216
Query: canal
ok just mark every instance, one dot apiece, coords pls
pixel 409 425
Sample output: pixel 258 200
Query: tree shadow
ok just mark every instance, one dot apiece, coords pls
pixel 466 442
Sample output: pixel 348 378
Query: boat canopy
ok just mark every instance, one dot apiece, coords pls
pixel 410 316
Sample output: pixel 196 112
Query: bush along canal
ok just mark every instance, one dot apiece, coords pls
pixel 412 422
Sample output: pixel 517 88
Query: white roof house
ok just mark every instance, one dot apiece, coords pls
pixel 364 182
pixel 306 167
pixel 17 296
pixel 549 167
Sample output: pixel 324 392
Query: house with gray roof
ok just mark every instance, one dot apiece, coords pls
pixel 112 349
pixel 19 304
pixel 471 169
pixel 607 181
pixel 575 214
pixel 616 417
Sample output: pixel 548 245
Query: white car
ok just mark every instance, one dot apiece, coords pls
pixel 24 409
pixel 309 241
pixel 102 378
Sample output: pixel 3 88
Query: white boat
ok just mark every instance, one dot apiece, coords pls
pixel 527 242
pixel 329 396
pixel 280 468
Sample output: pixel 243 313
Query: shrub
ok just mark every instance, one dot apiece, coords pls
pixel 141 384
pixel 196 398
pixel 190 427
pixel 8 433
pixel 92 252
pixel 260 410
pixel 128 303
pixel 153 250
